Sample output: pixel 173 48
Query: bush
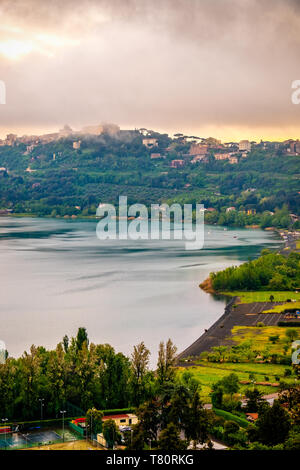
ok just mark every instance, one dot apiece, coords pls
pixel 238 438
pixel 218 432
pixel 288 323
pixel 231 404
pixel 229 416
pixel 231 427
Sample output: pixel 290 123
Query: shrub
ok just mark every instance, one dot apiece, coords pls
pixel 289 323
pixel 229 416
pixel 274 338
pixel 231 427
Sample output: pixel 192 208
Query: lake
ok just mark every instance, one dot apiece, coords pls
pixel 57 276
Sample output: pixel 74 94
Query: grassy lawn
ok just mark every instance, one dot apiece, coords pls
pixel 298 244
pixel 76 445
pixel 269 370
pixel 282 308
pixel 264 296
pixel 208 374
pixel 259 337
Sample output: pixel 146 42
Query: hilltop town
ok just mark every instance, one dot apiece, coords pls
pixel 240 183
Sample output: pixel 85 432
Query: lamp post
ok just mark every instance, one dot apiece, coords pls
pixel 4 421
pixel 26 439
pixel 63 418
pixel 41 400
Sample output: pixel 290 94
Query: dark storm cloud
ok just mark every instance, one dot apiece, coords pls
pixel 169 64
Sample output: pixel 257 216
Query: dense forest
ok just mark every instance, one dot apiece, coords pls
pixel 261 189
pixel 270 272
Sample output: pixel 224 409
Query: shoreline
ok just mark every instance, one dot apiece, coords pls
pixel 212 335
pixel 94 217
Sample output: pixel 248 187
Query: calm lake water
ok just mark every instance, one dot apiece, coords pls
pixel 57 276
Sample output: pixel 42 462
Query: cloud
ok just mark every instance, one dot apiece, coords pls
pixel 198 65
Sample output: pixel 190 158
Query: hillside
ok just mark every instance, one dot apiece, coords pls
pixel 70 176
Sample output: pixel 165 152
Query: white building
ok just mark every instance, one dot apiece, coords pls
pixel 76 145
pixel 150 142
pixel 244 145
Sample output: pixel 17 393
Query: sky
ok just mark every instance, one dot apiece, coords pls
pixel 221 68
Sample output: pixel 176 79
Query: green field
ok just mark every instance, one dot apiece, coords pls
pixel 264 296
pixel 282 308
pixel 208 374
pixel 259 337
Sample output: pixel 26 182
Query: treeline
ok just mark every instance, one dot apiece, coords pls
pixel 240 218
pixel 85 375
pixel 270 272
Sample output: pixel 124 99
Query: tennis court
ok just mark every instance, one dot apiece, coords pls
pixel 20 440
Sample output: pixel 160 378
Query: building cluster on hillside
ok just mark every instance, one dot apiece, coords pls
pixel 200 152
pixel 197 150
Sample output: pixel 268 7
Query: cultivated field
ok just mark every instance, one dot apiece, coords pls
pixel 208 374
pixel 259 337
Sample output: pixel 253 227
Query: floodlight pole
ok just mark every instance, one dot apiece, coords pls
pixel 41 400
pixel 63 418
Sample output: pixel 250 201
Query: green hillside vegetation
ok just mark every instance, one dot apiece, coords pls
pixel 270 272
pixel 264 296
pixel 263 187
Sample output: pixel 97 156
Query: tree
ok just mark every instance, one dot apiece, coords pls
pixel 231 427
pixel 274 338
pixel 139 368
pixel 81 337
pixel 190 382
pixel 230 383
pixel 140 361
pixel 291 334
pixel 66 343
pixel 221 351
pixel 170 441
pixel 198 423
pixel 273 425
pixel 135 440
pixel 94 421
pixel 254 400
pixel 110 433
pixel 149 417
pixel 56 376
pixel 291 399
pixel 217 396
pixel 166 362
pixel 178 411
